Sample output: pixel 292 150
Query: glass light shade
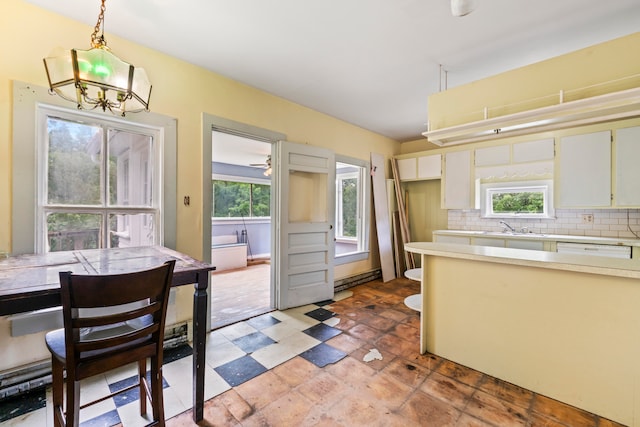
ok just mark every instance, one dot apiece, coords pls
pixel 97 78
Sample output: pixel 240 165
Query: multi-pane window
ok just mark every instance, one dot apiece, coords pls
pixel 351 203
pixel 98 184
pixel 233 199
pixel 347 193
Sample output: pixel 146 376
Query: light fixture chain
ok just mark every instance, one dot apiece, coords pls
pixel 95 40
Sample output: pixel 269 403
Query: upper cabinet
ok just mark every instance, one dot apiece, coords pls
pixel 418 168
pixel 590 170
pixel 457 186
pixel 491 156
pixel 430 167
pixel 408 169
pixel 597 170
pixel 584 175
pixel 534 151
pixel 627 172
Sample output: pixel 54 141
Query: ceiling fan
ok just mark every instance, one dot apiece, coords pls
pixel 266 165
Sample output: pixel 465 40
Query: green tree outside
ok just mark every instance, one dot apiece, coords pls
pixel 240 199
pixel 525 202
pixel 350 207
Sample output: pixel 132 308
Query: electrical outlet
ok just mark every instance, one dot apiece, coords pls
pixel 587 218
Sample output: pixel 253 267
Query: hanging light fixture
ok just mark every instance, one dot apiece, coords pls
pixel 96 78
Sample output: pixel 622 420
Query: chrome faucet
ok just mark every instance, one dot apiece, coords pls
pixel 513 230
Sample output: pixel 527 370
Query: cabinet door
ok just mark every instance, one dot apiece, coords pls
pixel 536 245
pixel 457 180
pixel 458 240
pixel 490 156
pixel 407 169
pixel 430 167
pixel 533 151
pixel 627 172
pixel 484 241
pixel 585 170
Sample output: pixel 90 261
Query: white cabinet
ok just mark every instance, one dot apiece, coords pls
pixel 627 171
pixel 484 241
pixel 407 169
pixel 457 181
pixel 585 170
pixel 609 251
pixel 458 240
pixel 585 174
pixel 430 167
pixel 534 151
pixel 490 156
pixel 536 245
pixel 423 167
pixel 495 240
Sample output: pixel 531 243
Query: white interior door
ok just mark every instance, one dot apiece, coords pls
pixel 303 229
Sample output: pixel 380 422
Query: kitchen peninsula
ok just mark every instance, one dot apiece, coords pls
pixel 565 326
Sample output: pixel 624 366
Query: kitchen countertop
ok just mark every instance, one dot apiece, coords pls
pixel 542 259
pixel 541 236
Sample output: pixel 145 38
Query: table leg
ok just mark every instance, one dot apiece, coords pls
pixel 199 343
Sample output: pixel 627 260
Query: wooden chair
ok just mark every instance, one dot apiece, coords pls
pixel 109 321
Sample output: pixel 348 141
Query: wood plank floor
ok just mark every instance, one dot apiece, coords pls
pixel 240 294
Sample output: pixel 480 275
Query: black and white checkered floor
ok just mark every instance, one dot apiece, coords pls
pixel 235 354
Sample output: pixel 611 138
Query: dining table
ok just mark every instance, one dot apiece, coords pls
pixel 31 282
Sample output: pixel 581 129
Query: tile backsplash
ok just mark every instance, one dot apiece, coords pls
pixel 620 223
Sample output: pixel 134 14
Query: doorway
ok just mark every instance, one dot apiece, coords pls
pixel 240 228
pixel 301 233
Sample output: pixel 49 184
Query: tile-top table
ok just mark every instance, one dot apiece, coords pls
pixel 31 282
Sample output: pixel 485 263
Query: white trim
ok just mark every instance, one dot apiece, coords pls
pixel 243 179
pixel 364 208
pixel 543 186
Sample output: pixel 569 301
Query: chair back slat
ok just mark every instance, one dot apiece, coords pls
pixel 107 319
pixel 115 340
pixel 109 313
pixel 117 289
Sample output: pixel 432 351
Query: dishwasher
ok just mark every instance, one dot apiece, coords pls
pixel 593 249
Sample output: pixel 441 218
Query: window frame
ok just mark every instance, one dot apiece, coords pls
pixel 364 209
pixel 104 208
pixel 27 99
pixel 487 190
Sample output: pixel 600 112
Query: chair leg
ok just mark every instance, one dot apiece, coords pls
pixel 156 391
pixel 142 372
pixel 73 402
pixel 57 389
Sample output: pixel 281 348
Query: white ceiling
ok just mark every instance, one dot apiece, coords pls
pixel 236 150
pixel 372 63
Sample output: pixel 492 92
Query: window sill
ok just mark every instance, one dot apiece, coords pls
pixel 351 257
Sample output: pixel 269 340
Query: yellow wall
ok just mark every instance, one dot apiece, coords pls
pixel 417 145
pixel 422 199
pixel 602 68
pixel 180 90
